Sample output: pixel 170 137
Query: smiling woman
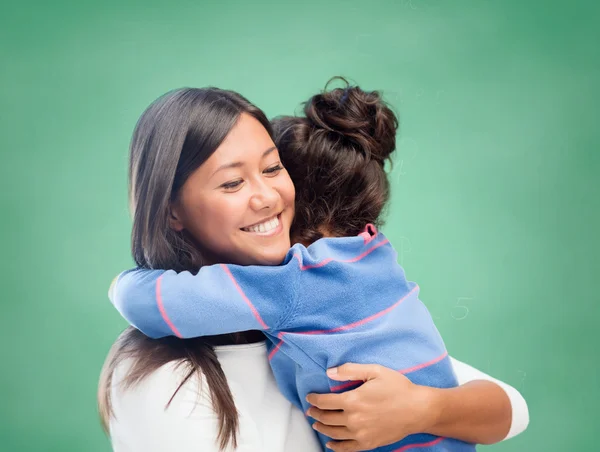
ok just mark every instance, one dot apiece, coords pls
pixel 234 200
pixel 202 168
pixel 207 186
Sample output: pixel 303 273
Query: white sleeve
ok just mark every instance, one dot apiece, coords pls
pixel 520 412
pixel 142 424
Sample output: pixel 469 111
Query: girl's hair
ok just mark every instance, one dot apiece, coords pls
pixel 335 156
pixel 174 136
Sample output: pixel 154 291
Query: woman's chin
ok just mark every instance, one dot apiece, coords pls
pixel 260 255
pixel 273 258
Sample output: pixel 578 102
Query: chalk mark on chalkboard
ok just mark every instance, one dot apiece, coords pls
pixel 408 3
pixel 408 148
pixel 460 307
pixel 403 249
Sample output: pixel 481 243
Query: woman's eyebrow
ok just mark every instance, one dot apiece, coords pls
pixel 239 164
pixel 268 151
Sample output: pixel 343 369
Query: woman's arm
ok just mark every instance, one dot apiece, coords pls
pixel 388 407
pixel 519 412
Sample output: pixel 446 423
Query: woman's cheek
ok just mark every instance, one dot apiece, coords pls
pixel 288 191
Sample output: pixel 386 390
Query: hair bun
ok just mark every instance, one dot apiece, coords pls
pixel 361 119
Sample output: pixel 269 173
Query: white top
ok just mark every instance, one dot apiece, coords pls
pixel 267 421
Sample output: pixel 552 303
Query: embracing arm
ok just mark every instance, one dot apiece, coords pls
pixel 219 299
pixel 491 410
pixel 388 407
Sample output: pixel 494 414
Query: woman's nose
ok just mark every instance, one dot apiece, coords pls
pixel 265 196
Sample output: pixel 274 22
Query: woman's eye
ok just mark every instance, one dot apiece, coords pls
pixel 274 169
pixel 231 185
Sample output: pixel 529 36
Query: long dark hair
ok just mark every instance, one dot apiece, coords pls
pixel 335 155
pixel 174 136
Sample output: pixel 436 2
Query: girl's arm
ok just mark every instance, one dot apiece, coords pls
pixel 389 407
pixel 219 299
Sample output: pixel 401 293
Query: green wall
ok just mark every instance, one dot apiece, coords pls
pixel 495 186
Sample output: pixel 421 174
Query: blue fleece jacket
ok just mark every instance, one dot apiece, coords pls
pixel 339 300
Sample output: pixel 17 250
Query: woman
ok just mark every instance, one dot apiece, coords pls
pixel 190 150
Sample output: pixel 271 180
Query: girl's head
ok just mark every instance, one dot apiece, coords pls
pixel 206 183
pixel 335 155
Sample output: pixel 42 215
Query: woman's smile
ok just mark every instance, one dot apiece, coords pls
pixel 266 228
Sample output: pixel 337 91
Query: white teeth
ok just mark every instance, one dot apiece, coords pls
pixel 267 226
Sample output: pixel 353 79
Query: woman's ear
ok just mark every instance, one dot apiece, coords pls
pixel 175 219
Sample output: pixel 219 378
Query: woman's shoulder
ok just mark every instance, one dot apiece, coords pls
pixel 156 385
pixel 161 411
pixel 142 421
pixel 175 383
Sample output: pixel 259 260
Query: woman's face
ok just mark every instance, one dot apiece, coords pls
pixel 239 204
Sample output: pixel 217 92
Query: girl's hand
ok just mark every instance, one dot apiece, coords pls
pixel 385 409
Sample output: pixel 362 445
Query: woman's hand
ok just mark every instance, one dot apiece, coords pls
pixel 388 407
pixel 385 409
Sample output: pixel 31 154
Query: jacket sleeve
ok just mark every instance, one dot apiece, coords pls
pixel 219 299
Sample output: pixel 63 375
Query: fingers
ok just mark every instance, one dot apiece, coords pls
pixel 344 446
pixel 326 401
pixel 332 432
pixel 327 417
pixel 352 371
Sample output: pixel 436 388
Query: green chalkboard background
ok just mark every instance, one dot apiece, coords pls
pixel 496 187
